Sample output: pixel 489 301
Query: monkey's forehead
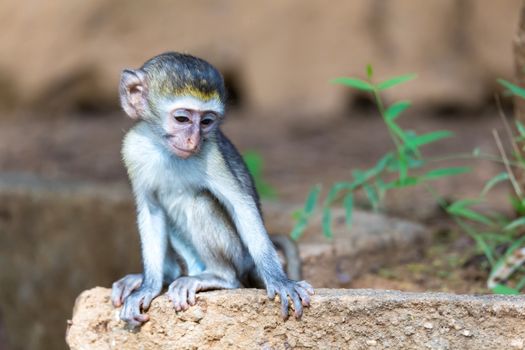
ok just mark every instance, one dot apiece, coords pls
pixel 198 93
pixel 192 102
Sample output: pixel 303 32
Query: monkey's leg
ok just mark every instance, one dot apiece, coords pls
pixel 216 245
pixel 121 289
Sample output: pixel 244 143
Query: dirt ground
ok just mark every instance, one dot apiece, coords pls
pixel 297 153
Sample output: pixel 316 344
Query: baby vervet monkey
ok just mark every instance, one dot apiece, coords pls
pixel 199 216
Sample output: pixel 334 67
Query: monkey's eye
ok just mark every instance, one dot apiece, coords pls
pixel 206 122
pixel 182 119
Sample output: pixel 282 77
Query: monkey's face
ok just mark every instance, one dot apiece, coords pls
pixel 185 130
pixel 180 95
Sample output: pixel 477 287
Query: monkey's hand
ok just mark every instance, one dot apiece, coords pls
pixel 121 289
pixel 135 304
pixel 182 292
pixel 299 293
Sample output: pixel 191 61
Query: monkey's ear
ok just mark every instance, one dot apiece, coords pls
pixel 133 92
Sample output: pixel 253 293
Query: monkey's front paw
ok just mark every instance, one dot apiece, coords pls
pixel 121 289
pixel 299 293
pixel 136 304
pixel 182 292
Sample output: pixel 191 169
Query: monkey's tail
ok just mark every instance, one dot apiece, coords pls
pixel 291 254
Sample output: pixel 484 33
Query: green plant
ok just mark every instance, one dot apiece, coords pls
pixel 254 163
pixel 499 236
pixel 398 168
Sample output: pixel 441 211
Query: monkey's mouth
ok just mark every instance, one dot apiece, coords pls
pixel 182 152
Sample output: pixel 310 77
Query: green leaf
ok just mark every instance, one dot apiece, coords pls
pixel 496 237
pixel 406 182
pixel 460 208
pixel 485 248
pixel 505 290
pixel 400 133
pixel 354 83
pixel 403 166
pixel 443 172
pixel 265 190
pixel 494 181
pixel 480 242
pixel 297 214
pixel 372 196
pixel 463 203
pixel 387 84
pixel 395 109
pixel 476 152
pixel 515 224
pixel 518 204
pixel 348 203
pixel 431 137
pixel 516 90
pixel 383 163
pixel 311 200
pixel 306 213
pixel 471 215
pixel 327 223
pixel 254 162
pixel 369 71
pixel 298 229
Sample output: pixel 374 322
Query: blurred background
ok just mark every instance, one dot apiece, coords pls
pixel 66 218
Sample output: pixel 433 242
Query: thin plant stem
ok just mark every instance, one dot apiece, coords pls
pixel 512 178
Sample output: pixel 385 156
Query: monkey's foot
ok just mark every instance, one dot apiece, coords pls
pixel 135 304
pixel 121 289
pixel 299 293
pixel 182 292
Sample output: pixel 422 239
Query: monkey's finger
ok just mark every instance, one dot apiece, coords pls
pixel 297 305
pixel 307 286
pixel 175 298
pixel 304 295
pixel 132 315
pixel 182 295
pixel 270 291
pixel 116 295
pixel 185 303
pixel 283 295
pixel 191 296
pixel 141 318
pixel 146 302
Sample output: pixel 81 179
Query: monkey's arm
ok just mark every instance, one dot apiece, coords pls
pixel 291 254
pixel 153 238
pixel 246 216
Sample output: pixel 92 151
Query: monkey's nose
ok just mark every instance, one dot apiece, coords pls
pixel 193 141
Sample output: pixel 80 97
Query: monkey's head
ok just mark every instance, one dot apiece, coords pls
pixel 182 95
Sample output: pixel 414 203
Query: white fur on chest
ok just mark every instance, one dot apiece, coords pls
pixel 151 167
pixel 174 183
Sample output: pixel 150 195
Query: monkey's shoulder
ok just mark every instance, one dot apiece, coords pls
pixel 236 165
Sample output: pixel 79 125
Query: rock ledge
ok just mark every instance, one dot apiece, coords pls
pixel 338 318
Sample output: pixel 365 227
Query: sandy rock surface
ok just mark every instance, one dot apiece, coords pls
pixel 337 319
